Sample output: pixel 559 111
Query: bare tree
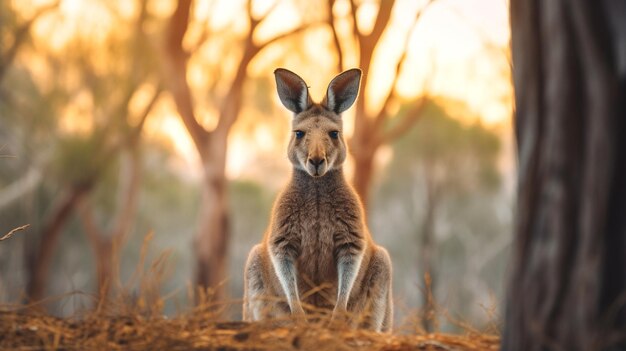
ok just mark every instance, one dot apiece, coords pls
pixel 108 242
pixel 568 284
pixel 39 259
pixel 211 242
pixel 372 129
pixel 117 135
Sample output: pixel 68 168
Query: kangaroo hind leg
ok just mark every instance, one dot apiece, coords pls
pixel 254 286
pixel 260 300
pixel 376 309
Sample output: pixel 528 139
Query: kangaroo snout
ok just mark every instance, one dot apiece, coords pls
pixel 317 165
pixel 317 161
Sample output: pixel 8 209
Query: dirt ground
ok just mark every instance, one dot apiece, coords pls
pixel 33 331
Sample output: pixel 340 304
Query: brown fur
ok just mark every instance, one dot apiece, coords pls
pixel 317 236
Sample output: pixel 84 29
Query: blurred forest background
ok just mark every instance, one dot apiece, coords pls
pixel 124 118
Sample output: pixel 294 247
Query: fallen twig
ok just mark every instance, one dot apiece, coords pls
pixel 12 232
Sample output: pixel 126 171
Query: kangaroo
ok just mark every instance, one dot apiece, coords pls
pixel 317 236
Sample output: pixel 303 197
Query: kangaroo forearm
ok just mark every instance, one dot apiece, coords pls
pixel 283 257
pixel 285 270
pixel 348 266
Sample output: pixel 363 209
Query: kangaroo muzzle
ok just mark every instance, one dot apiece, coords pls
pixel 316 162
pixel 316 165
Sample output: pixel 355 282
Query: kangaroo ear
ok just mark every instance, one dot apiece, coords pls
pixel 292 91
pixel 343 90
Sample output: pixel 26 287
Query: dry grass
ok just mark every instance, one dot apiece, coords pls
pixel 132 319
pixel 198 330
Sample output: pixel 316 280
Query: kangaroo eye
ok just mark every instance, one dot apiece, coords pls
pixel 334 134
pixel 299 134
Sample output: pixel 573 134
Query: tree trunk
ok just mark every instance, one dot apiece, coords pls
pixel 363 172
pixel 39 259
pixel 567 286
pixel 107 244
pixel 211 241
pixel 426 255
pixel 361 142
pixel 104 266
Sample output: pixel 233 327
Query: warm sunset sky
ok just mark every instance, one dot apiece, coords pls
pixel 459 46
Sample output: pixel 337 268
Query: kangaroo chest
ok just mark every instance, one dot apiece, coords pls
pixel 315 217
pixel 319 227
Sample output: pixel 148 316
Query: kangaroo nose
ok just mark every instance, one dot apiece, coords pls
pixel 316 161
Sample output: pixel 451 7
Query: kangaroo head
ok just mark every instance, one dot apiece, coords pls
pixel 317 144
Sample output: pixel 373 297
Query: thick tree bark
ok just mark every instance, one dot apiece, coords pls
pixel 568 281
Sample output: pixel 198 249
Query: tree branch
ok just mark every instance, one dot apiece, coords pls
pixel 259 47
pixel 355 25
pixel 383 112
pixel 20 36
pixel 231 103
pixel 177 28
pixel 263 17
pixel 88 219
pixel 331 22
pixel 130 179
pixel 129 139
pixel 177 72
pixel 363 122
pixel 253 49
pixel 136 132
pixel 40 261
pixel 382 19
pixel 254 22
pixel 405 123
pixel 205 35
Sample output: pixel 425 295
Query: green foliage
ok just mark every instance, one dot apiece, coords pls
pixel 456 162
pixel 464 156
pixel 76 159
